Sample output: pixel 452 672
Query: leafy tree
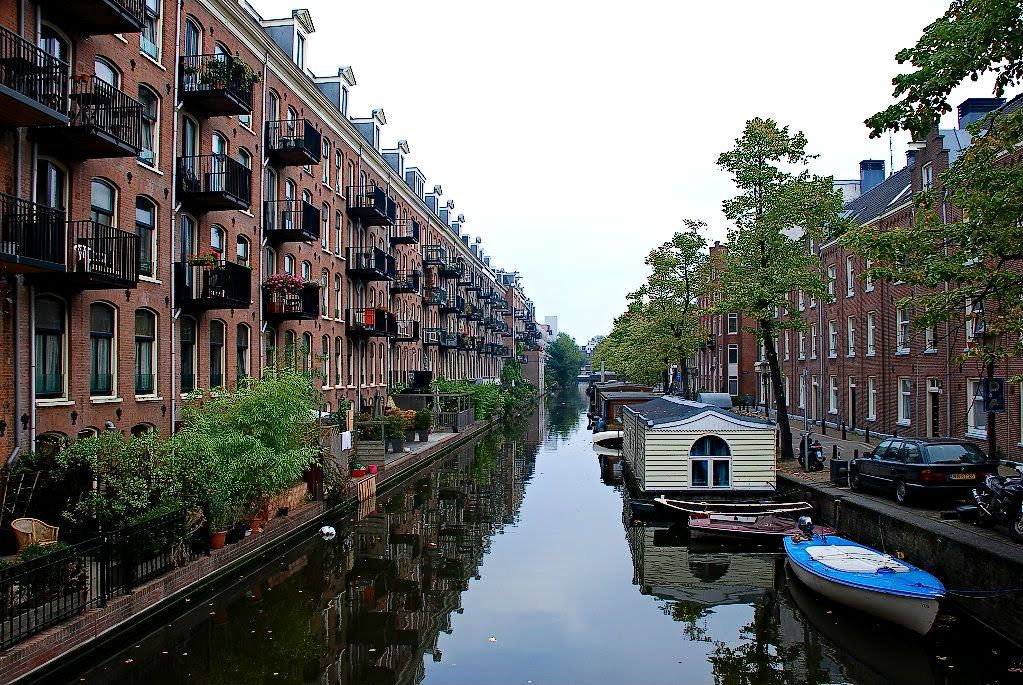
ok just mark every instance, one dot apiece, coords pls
pixel 564 361
pixel 778 205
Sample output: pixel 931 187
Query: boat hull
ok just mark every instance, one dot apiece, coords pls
pixel 913 613
pixel 768 529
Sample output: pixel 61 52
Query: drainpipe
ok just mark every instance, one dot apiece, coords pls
pixel 17 281
pixel 948 345
pixel 820 348
pixel 260 228
pixel 32 369
pixel 174 218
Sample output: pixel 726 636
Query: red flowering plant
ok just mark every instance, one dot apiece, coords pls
pixel 284 283
pixel 203 259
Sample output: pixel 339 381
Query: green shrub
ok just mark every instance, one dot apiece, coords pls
pixel 424 420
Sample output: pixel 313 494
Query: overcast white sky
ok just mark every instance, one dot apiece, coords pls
pixel 575 136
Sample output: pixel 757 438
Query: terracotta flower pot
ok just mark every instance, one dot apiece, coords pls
pixel 256 524
pixel 218 539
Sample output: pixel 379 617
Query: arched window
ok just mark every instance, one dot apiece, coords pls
pixel 372 366
pixel 270 261
pixel 337 361
pixel 324 292
pixel 145 352
pixel 307 271
pixel 348 362
pixel 87 432
pixel 242 343
pixel 54 43
pixel 270 346
pixel 710 463
pixel 291 351
pixel 245 157
pixel 190 144
pixel 106 72
pixel 242 250
pixel 288 218
pixel 102 350
pixel 217 239
pixel 145 231
pixel 48 445
pixel 307 196
pixel 193 37
pixel 325 359
pixel 273 105
pixel 188 357
pixel 216 354
pixel 104 202
pixel 50 346
pixel 307 352
pixel 151 37
pixel 325 226
pixel 337 231
pixel 150 125
pixel 140 429
pixel 383 366
pixel 219 141
pixel 337 296
pixel 289 264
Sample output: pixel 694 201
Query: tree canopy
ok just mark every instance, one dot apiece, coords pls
pixel 564 361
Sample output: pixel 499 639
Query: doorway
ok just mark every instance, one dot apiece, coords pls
pixel 851 414
pixel 933 408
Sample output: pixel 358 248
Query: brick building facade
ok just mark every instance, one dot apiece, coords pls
pixel 182 202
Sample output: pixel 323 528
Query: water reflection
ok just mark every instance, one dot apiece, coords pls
pixel 505 564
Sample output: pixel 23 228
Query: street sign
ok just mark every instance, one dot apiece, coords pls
pixel 992 391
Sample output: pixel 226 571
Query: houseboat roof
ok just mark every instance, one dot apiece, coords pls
pixel 629 395
pixel 673 410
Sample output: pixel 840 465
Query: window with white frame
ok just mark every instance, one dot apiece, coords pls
pixel 802 344
pixel 813 302
pixel 832 339
pixel 733 385
pixel 733 323
pixel 787 337
pixel 833 394
pixel 974 318
pixel 931 339
pixel 871 398
pixel 801 300
pixel 976 417
pixel 868 282
pixel 871 333
pixel 733 354
pixel 325 174
pixel 902 329
pixel 850 335
pixel 850 277
pixel 710 463
pixel 832 275
pixel 927 176
pixel 905 400
pixel 813 341
pixel 151 37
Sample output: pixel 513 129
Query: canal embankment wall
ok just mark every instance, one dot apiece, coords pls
pixel 74 640
pixel 982 574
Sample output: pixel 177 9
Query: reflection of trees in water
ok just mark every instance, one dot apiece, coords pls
pixel 564 410
pixel 692 616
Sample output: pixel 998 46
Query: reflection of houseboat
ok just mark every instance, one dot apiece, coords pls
pixel 671 445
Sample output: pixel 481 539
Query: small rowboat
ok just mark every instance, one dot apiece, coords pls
pixel 865 579
pixel 748 509
pixel 611 440
pixel 768 528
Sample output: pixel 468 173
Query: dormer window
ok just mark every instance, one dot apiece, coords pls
pixel 300 50
pixel 344 101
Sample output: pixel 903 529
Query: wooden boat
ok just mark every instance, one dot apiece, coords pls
pixel 769 528
pixel 865 579
pixel 611 440
pixel 641 507
pixel 749 509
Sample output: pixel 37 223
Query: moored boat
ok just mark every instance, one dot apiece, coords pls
pixel 769 528
pixel 611 440
pixel 747 509
pixel 865 579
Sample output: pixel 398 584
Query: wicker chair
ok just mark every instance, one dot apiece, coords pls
pixel 29 531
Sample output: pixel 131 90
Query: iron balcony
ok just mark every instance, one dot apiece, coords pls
pixel 293 142
pixel 431 336
pixel 217 85
pixel 405 232
pixel 452 269
pixel 448 340
pixel 370 322
pixel 371 205
pixel 435 296
pixel 104 122
pixel 214 182
pixel 33 84
pixel 32 237
pixel 95 17
pixel 221 285
pixel 285 306
pixel 101 256
pixel 370 264
pixel 453 304
pixel 406 282
pixel 406 331
pixel 435 255
pixel 295 221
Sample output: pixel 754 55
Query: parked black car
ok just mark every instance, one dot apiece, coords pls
pixel 908 467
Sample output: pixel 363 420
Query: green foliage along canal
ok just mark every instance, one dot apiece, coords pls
pixel 511 561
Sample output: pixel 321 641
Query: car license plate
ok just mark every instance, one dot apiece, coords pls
pixel 962 476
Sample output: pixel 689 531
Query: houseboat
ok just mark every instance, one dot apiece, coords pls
pixel 680 447
pixel 600 390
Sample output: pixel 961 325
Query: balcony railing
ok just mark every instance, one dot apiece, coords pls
pixel 448 340
pixel 435 255
pixel 304 304
pixel 370 321
pixel 221 285
pixel 32 237
pixel 405 231
pixel 499 303
pixel 291 221
pixel 468 275
pixel 293 142
pixel 95 17
pixel 454 304
pixel 406 331
pixel 104 122
pixel 370 264
pixel 434 296
pixel 371 205
pixel 101 256
pixel 431 336
pixel 452 269
pixel 216 84
pixel 214 182
pixel 406 282
pixel 33 84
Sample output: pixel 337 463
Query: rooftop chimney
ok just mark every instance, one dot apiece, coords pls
pixel 974 109
pixel 871 174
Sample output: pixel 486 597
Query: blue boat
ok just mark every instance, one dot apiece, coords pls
pixel 863 578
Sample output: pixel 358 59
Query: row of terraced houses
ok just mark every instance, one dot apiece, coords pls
pixel 860 361
pixel 183 200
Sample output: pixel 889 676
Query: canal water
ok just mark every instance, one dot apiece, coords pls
pixel 511 561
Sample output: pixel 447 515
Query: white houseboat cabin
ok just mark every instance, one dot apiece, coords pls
pixel 671 445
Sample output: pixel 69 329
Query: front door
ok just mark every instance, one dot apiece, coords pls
pixel 933 414
pixel 851 418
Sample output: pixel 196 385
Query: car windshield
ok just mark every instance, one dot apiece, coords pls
pixel 954 454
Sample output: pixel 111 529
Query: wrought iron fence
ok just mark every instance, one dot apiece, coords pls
pixel 99 105
pixel 31 231
pixel 34 73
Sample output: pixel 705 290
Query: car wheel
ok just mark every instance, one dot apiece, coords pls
pixel 854 482
pixel 902 495
pixel 1016 529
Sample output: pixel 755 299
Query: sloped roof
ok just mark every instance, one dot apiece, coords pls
pixel 629 395
pixel 881 198
pixel 672 409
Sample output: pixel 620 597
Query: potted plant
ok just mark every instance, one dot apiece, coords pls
pixel 373 468
pixel 358 469
pixel 394 431
pixel 423 423
pixel 284 288
pixel 207 260
pixel 222 515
